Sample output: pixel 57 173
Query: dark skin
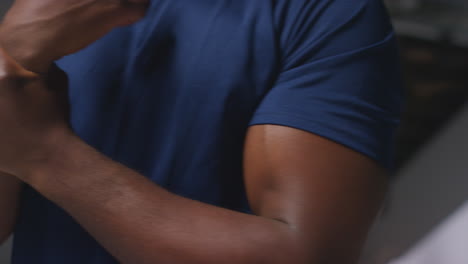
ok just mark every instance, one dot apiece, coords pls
pixel 313 199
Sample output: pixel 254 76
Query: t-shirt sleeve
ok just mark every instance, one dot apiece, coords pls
pixel 340 76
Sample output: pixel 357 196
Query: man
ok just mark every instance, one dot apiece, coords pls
pixel 208 132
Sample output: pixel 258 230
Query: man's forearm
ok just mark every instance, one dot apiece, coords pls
pixel 139 222
pixel 133 218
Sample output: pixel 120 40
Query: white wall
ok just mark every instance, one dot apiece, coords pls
pixel 5 252
pixel 431 188
pixel 448 243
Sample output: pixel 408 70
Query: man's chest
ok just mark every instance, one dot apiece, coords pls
pixel 181 62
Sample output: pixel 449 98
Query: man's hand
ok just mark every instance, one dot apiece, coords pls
pixel 33 116
pixel 35 33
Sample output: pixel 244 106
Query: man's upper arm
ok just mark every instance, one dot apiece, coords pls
pixel 327 194
pixel 322 137
pixel 340 76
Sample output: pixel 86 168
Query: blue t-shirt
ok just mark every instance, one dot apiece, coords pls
pixel 173 96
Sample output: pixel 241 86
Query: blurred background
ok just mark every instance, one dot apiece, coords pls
pixel 425 220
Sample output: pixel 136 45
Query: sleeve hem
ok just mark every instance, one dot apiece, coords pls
pixel 288 120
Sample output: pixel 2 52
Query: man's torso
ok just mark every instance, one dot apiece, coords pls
pixel 170 97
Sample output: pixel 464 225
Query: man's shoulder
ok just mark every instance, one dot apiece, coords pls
pixel 343 24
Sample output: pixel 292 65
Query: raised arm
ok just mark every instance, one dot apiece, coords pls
pixel 313 202
pixel 35 33
pixel 313 199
